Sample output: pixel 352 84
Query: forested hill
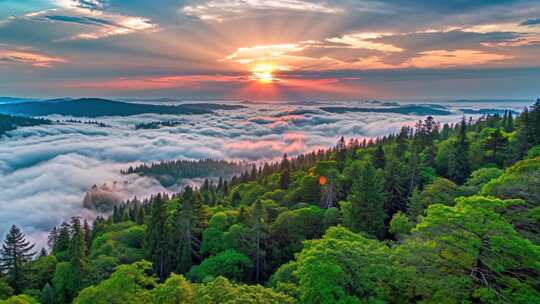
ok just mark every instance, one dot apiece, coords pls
pixel 96 107
pixel 433 214
pixel 9 122
pixel 170 173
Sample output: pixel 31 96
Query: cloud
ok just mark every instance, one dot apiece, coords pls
pixel 531 22
pixel 445 59
pixel 162 82
pixel 95 22
pixel 29 58
pixel 216 10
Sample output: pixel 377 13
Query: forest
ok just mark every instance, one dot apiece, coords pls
pixel 432 214
pixel 10 122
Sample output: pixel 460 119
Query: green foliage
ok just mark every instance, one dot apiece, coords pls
pixel 533 152
pixel 441 190
pixel 221 290
pixel 128 284
pixel 364 210
pixel 470 252
pixel 42 270
pixel 344 267
pixel 229 263
pixel 175 290
pixel 521 180
pixel 20 299
pixel 5 290
pixel 400 225
pixel 480 177
pixel 47 294
pixel 15 256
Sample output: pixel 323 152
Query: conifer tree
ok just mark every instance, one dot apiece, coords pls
pixel 494 144
pixel 188 222
pixel 62 241
pixel 458 164
pixel 156 237
pixel 365 208
pixel 284 179
pixel 257 225
pixel 77 254
pixel 15 254
pixel 87 235
pixel 379 158
pixel 47 295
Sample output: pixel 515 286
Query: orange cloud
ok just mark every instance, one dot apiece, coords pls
pixel 444 58
pixel 291 144
pixel 188 81
pixel 33 59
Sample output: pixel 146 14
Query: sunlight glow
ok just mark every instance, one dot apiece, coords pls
pixel 263 73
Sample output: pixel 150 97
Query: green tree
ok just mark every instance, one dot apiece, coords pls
pixel 259 234
pixel 156 243
pixel 344 267
pixel 128 284
pixel 15 254
pixel 364 209
pixel 189 220
pixel 458 164
pixel 229 263
pixel 175 290
pixel 469 252
pixel 400 225
pixel 494 145
pixel 77 250
pixel 221 290
pixel 47 294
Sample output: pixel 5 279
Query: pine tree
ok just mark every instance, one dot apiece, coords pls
pixel 509 126
pixel 15 254
pixel 140 216
pixel 87 235
pixel 189 220
pixel 257 225
pixel 284 179
pixel 379 158
pixel 156 237
pixel 458 164
pixel 395 180
pixel 341 150
pixel 51 239
pixel 365 211
pixel 77 252
pixel 47 295
pixel 494 144
pixel 62 241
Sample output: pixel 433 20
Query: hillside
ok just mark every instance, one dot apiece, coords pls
pixel 10 122
pixel 95 107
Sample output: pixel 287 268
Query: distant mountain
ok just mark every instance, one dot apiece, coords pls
pixel 485 111
pixel 96 107
pixel 212 106
pixel 406 110
pixel 4 99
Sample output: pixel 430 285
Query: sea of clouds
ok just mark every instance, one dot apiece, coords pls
pixel 45 171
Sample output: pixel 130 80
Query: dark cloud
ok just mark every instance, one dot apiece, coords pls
pixel 531 22
pixel 80 20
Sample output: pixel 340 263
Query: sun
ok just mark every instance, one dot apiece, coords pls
pixel 263 73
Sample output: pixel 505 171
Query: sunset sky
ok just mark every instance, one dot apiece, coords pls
pixel 270 49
